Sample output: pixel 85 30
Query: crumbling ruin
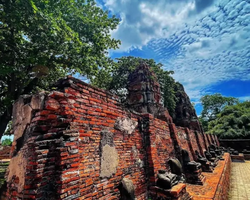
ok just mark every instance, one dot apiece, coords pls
pixel 79 142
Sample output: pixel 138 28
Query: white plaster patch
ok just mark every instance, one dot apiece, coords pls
pixel 109 161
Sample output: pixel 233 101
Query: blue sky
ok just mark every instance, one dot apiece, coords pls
pixel 205 42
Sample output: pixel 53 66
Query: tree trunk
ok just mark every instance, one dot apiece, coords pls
pixel 4 120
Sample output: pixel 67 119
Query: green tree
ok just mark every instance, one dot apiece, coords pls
pixel 6 142
pixel 43 40
pixel 116 79
pixel 232 122
pixel 213 105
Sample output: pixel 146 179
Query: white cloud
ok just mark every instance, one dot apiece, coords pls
pixel 203 41
pixel 244 98
pixel 212 49
pixel 142 21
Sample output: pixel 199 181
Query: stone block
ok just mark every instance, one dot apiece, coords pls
pixel 26 114
pixel 126 125
pixel 37 101
pixel 17 170
pixel 127 189
pixel 17 111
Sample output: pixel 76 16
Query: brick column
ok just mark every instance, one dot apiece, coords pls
pixel 190 142
pixel 198 142
pixel 176 141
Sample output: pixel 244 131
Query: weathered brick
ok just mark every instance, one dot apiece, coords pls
pixel 52 104
pixel 64 147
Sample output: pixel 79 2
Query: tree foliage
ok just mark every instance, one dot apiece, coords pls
pixel 116 79
pixel 43 40
pixel 6 142
pixel 212 106
pixel 232 122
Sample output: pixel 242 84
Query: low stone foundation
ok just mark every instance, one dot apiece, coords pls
pixel 196 178
pixel 176 193
pixel 237 144
pixel 217 183
pixel 238 158
pixel 247 156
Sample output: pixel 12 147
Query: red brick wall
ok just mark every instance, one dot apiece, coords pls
pixel 224 183
pixel 94 110
pixel 217 141
pixel 64 150
pixel 208 139
pixel 161 146
pixel 184 141
pixel 213 138
pixel 193 141
pixel 202 143
pixel 59 145
pixel 203 139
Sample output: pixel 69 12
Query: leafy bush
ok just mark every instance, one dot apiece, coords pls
pixel 6 142
pixel 232 122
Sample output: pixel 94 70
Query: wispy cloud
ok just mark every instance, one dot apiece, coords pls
pixel 204 42
pixel 142 21
pixel 213 49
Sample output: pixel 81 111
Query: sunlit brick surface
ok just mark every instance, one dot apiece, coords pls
pixel 216 185
pixel 57 150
